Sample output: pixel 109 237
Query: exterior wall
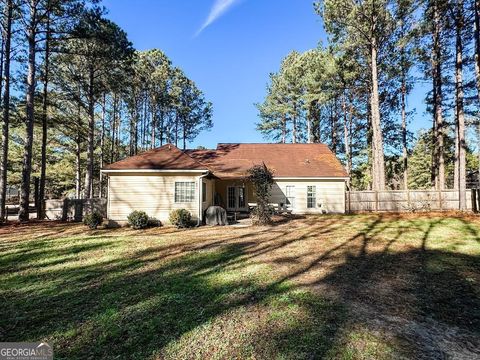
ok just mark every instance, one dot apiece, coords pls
pixel 155 194
pixel 330 195
pixel 149 192
pixel 210 184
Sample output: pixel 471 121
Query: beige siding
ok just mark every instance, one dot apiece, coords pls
pixel 330 195
pixel 210 193
pixel 155 194
pixel 152 193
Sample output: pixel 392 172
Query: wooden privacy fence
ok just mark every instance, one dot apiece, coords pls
pixel 409 200
pixel 74 209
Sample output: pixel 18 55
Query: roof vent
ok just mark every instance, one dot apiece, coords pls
pixel 169 147
pixel 307 161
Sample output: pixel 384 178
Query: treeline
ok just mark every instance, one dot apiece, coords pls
pixel 353 93
pixel 76 95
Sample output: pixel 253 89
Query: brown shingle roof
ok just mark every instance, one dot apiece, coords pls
pixel 286 160
pixel 166 157
pixel 233 160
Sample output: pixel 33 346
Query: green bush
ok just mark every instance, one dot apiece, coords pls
pixel 181 218
pixel 92 220
pixel 138 219
pixel 262 180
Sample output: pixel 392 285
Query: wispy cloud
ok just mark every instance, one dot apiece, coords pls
pixel 219 8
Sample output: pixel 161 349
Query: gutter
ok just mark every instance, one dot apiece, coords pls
pixel 311 177
pixel 200 197
pixel 106 171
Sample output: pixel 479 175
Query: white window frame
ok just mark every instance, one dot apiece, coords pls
pixel 185 195
pixel 290 196
pixel 311 196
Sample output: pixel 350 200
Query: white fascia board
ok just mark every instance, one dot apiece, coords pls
pixel 153 171
pixel 311 178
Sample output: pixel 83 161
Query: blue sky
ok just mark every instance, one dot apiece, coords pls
pixel 231 58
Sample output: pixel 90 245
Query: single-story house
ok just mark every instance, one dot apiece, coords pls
pixel 308 179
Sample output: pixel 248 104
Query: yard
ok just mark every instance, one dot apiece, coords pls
pixel 350 287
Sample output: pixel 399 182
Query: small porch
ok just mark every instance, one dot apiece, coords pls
pixel 234 195
pixel 237 197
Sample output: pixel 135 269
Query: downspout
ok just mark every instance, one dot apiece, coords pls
pixel 200 197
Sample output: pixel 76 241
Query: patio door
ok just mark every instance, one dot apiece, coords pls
pixel 236 198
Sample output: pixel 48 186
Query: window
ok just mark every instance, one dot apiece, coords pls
pixel 204 191
pixel 184 192
pixel 290 196
pixel 241 197
pixel 311 197
pixel 231 197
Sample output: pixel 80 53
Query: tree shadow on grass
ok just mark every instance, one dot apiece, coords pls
pixel 125 308
pixel 202 303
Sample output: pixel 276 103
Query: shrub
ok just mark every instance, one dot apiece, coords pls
pixel 138 219
pixel 262 179
pixel 181 218
pixel 92 220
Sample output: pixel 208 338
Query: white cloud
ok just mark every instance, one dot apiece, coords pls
pixel 219 8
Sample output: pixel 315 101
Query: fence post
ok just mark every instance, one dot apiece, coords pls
pixel 78 206
pixel 65 210
pixel 478 199
pixel 349 201
pixel 376 200
pixel 474 200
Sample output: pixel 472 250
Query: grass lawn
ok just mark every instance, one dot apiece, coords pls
pixel 349 287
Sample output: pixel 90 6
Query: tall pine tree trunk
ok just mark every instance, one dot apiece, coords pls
pixel 310 122
pixel 477 65
pixel 176 130
pixel 294 124
pixel 346 135
pixel 78 158
pixel 23 213
pixel 162 126
pixel 135 130
pixel 78 150
pixel 91 135
pixel 460 116
pixel 154 127
pixel 43 165
pixel 316 125
pixel 6 108
pixel 144 124
pixel 404 130
pixel 350 135
pixel 184 127
pixel 102 145
pixel 113 127
pixel 477 44
pixel 333 126
pixel 284 128
pixel 119 130
pixel 133 124
pixel 377 136
pixel 438 159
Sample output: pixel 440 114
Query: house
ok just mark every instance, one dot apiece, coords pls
pixel 308 179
